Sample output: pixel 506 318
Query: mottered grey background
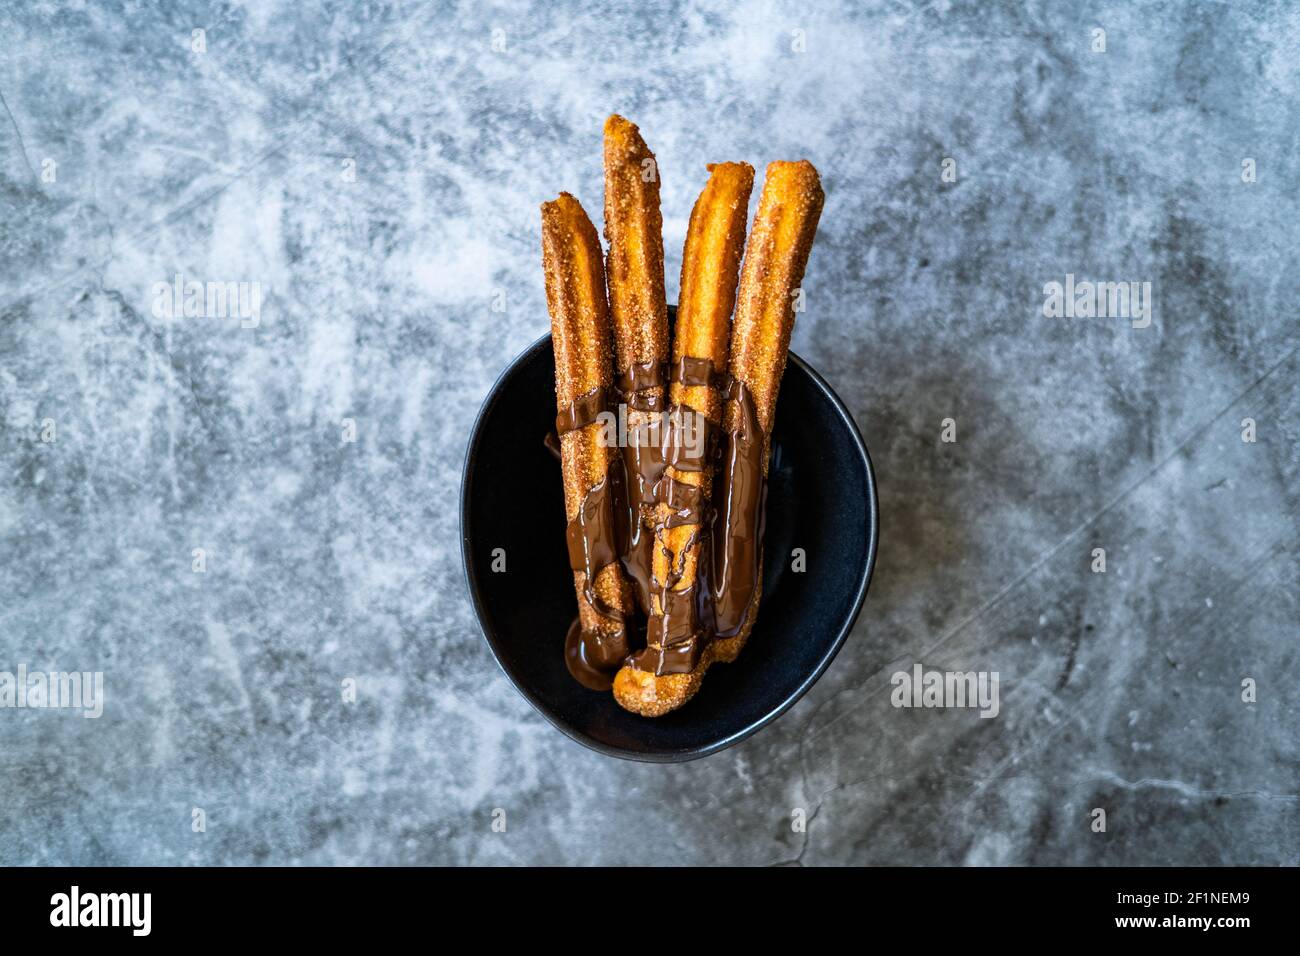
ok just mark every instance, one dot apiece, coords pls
pixel 377 168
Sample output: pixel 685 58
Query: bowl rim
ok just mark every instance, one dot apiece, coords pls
pixel 687 753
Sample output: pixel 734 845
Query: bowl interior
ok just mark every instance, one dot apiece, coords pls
pixel 821 498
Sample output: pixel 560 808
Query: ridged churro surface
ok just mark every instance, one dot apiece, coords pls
pixel 575 297
pixel 580 334
pixel 775 258
pixel 715 240
pixel 634 230
pixel 638 308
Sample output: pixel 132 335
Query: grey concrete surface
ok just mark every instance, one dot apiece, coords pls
pixel 376 170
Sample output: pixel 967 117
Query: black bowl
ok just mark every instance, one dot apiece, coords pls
pixel 821 498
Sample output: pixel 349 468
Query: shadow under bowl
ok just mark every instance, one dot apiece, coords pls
pixel 821 499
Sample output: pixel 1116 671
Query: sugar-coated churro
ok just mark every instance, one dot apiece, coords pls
pixel 639 315
pixel 634 230
pixel 575 297
pixel 775 258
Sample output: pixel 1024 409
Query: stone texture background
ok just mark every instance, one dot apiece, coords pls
pixel 1120 690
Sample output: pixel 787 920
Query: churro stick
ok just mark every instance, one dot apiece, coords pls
pixel 775 258
pixel 575 297
pixel 710 268
pixel 634 229
pixel 715 239
pixel 639 311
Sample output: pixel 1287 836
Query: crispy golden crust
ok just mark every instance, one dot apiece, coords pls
pixel 575 297
pixel 715 239
pixel 710 270
pixel 652 695
pixel 644 693
pixel 634 229
pixel 635 264
pixel 775 258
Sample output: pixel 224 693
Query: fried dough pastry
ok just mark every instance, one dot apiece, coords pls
pixel 634 230
pixel 710 270
pixel 575 297
pixel 639 312
pixel 775 258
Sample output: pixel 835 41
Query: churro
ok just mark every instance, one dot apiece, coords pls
pixel 639 312
pixel 634 230
pixel 775 258
pixel 770 280
pixel 575 297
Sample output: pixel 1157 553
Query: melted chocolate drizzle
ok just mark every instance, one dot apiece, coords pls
pixel 618 521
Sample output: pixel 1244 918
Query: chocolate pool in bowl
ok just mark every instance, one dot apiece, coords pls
pixel 821 497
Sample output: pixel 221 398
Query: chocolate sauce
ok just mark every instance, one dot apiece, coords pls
pixel 580 412
pixel 618 520
pixel 738 530
pixel 692 371
pixel 642 388
pixel 597 535
pixel 586 655
pixel 638 385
